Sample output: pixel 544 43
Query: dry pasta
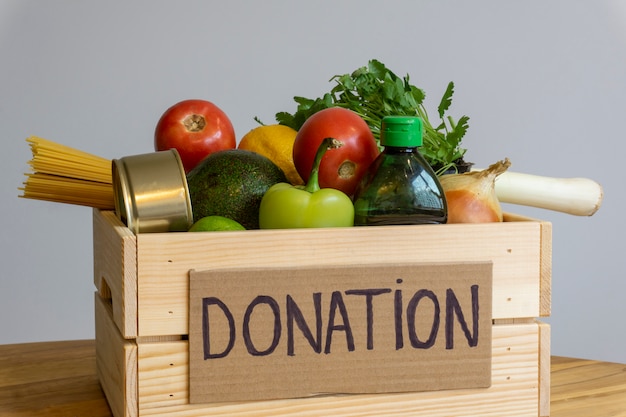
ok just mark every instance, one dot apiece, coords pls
pixel 66 175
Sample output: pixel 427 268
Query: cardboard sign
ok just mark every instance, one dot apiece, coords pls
pixel 257 334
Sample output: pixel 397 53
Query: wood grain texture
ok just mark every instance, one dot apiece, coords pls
pixel 545 282
pixel 163 260
pixel 161 374
pixel 116 362
pixel 143 290
pixel 58 379
pixel 544 369
pixel 52 379
pixel 586 388
pixel 514 378
pixel 545 262
pixel 115 269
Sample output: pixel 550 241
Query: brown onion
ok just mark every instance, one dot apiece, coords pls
pixel 471 196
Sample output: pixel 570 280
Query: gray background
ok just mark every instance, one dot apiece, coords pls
pixel 543 83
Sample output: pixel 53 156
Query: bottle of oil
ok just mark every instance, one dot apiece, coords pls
pixel 400 187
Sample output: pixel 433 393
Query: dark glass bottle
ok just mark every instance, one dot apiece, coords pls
pixel 400 187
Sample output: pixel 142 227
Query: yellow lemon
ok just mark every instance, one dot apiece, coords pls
pixel 275 142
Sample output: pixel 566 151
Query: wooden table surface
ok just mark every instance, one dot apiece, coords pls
pixel 59 379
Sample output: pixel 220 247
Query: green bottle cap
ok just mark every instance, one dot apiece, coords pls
pixel 401 131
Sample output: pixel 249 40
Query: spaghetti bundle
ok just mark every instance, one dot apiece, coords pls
pixel 66 175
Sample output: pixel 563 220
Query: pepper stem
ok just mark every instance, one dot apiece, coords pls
pixel 313 184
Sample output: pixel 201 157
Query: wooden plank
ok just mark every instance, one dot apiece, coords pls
pixel 163 374
pixel 115 269
pixel 545 279
pixel 545 302
pixel 164 259
pixel 116 363
pixel 515 387
pixel 544 369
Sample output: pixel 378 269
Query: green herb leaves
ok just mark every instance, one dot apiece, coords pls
pixel 373 91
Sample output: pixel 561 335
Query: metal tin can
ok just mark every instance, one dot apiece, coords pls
pixel 151 192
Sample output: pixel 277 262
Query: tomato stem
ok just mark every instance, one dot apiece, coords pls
pixel 194 123
pixel 346 170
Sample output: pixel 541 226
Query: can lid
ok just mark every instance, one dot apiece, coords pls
pixel 401 131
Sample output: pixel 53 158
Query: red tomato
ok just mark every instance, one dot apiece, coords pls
pixel 195 128
pixel 340 168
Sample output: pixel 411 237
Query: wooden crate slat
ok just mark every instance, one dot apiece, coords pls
pixel 544 369
pixel 546 270
pixel 165 259
pixel 115 269
pixel 116 362
pixel 514 391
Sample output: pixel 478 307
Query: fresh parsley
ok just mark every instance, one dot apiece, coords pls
pixel 374 91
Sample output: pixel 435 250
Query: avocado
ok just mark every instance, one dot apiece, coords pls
pixel 231 183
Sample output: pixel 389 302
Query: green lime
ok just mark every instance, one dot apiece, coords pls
pixel 215 224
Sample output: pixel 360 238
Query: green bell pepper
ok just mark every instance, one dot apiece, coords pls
pixel 285 206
